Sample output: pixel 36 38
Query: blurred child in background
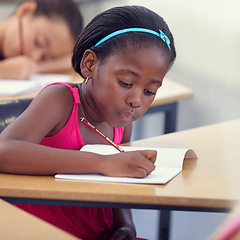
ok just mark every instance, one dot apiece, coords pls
pixel 39 38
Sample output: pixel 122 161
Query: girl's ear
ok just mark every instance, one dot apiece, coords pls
pixel 28 7
pixel 88 63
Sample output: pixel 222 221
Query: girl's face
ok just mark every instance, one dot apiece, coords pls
pixel 43 38
pixel 125 84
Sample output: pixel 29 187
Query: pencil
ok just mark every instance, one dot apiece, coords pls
pixel 21 44
pixel 101 134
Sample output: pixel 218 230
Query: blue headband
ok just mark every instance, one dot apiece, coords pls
pixel 160 34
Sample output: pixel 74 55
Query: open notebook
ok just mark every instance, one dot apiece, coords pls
pixel 168 164
pixel 11 87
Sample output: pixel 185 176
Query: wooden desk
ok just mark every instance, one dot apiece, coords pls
pixel 208 184
pixel 17 224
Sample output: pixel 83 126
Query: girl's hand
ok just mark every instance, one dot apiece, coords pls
pixel 129 164
pixel 20 67
pixel 125 233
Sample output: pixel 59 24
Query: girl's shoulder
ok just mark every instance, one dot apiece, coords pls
pixel 60 91
pixel 56 97
pixel 55 102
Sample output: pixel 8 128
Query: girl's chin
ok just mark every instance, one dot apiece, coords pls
pixel 119 124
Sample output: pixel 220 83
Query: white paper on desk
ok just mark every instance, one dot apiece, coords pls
pixel 168 164
pixel 11 87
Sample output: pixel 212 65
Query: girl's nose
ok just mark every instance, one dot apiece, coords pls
pixel 134 99
pixel 134 105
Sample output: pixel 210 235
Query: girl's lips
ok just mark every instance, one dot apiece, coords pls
pixel 126 116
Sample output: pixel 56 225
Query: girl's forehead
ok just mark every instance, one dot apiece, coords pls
pixel 150 61
pixel 145 55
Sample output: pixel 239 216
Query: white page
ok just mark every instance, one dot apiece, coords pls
pixel 11 87
pixel 168 164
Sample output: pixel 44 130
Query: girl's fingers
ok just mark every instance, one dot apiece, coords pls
pixel 149 154
pixel 148 161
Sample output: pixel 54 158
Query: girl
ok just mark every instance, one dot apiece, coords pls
pixel 38 37
pixel 123 54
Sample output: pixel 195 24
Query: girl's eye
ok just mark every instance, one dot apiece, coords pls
pixel 125 84
pixel 149 93
pixel 129 85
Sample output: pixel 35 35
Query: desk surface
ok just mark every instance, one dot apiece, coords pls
pixel 17 224
pixel 170 92
pixel 212 181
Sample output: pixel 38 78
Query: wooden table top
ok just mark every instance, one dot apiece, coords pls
pixel 211 181
pixel 171 92
pixel 18 224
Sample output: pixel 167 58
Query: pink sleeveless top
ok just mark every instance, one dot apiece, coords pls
pixel 69 137
pixel 83 222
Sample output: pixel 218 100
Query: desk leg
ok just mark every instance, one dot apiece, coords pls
pixel 170 118
pixel 164 227
pixel 170 111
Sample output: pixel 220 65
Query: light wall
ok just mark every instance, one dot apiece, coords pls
pixel 207 37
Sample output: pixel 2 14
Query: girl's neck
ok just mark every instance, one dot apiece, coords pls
pixel 88 106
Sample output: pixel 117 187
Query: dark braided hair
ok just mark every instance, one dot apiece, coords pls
pixel 118 18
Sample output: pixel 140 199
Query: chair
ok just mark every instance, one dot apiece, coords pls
pixel 10 110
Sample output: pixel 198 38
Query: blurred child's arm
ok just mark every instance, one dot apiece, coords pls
pixel 20 67
pixel 123 225
pixel 58 65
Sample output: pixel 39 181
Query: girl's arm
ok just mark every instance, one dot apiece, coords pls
pixel 123 225
pixel 21 153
